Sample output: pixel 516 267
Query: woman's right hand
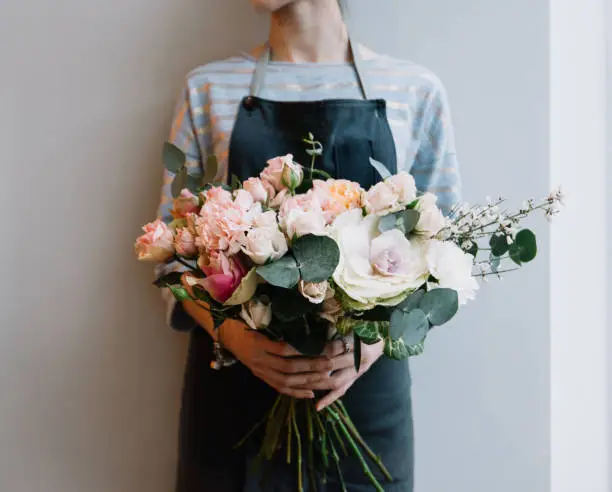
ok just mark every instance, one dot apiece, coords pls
pixel 276 363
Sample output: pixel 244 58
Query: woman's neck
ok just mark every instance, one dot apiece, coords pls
pixel 311 31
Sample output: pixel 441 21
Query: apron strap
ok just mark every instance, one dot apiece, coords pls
pixel 259 75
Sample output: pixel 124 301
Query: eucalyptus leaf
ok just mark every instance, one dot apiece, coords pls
pixel 179 182
pixel 387 223
pixel 499 244
pixel 283 272
pixel 174 158
pixel 245 291
pixel 524 248
pixel 409 220
pixel 357 353
pixel 210 170
pixel 440 305
pixel 380 168
pixel 413 301
pixel 317 257
pixel 411 326
pixel 172 278
pixel 236 184
pixel 193 182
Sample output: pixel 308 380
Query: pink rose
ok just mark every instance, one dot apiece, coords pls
pixel 243 199
pixel 156 244
pixel 261 190
pixel 273 173
pixel 265 243
pixel 184 243
pixel 223 275
pixel 382 198
pixel 280 198
pixel 266 219
pixel 185 203
pixel 301 215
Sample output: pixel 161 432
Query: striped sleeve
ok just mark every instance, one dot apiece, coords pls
pixel 435 168
pixel 183 134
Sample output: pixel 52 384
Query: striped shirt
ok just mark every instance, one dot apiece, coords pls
pixel 417 110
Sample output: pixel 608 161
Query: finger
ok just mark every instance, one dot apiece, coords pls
pixel 331 397
pixel 295 381
pixel 276 382
pixel 295 365
pixel 334 349
pixel 334 382
pixel 344 361
pixel 281 349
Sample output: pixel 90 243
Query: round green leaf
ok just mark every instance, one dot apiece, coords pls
pixel 281 273
pixel 387 223
pixel 412 301
pixel 440 305
pixel 245 290
pixel 192 183
pixel 179 182
pixel 409 219
pixel 411 326
pixel 210 170
pixel 380 168
pixel 499 244
pixel 174 158
pixel 317 257
pixel 525 248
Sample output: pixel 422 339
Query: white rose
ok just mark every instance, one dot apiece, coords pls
pixel 431 221
pixel 257 313
pixel 376 269
pixel 301 215
pixel 314 292
pixel 266 219
pixel 243 199
pixel 404 186
pixel 265 243
pixel 452 267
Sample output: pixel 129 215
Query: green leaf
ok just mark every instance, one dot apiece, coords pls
pixel 368 331
pixel 317 257
pixel 413 204
pixel 320 172
pixel 210 170
pixel 193 182
pixel 411 326
pixel 396 349
pixel 380 169
pixel 413 301
pixel 414 350
pixel 180 293
pixel 440 305
pixel 405 221
pixel 357 353
pixel 387 223
pixel 245 290
pixel 179 182
pixel 236 184
pixel 288 304
pixel 525 248
pixel 174 158
pixel 172 278
pixel 499 244
pixel 281 273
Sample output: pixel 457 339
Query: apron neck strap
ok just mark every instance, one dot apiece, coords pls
pixel 259 75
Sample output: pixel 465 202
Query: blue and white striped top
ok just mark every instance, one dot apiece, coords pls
pixel 417 109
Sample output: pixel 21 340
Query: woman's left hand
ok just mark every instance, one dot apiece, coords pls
pixel 343 375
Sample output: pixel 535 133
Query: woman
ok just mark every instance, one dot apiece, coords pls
pixel 309 77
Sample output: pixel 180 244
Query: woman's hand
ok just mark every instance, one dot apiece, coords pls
pixel 278 364
pixel 343 374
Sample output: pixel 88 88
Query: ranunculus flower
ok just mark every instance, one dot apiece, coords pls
pixel 261 191
pixel 273 172
pixel 184 243
pixel 452 267
pixel 331 310
pixel 375 269
pixel 223 275
pixel 257 313
pixel 337 196
pixel 156 244
pixel 314 292
pixel 265 243
pixel 301 215
pixel 185 203
pixel 431 221
pixel 391 195
pixel 293 174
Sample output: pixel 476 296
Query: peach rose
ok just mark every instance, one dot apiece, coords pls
pixel 301 215
pixel 156 244
pixel 184 243
pixel 185 203
pixel 337 196
pixel 261 191
pixel 273 173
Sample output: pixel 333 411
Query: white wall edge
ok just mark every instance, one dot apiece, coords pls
pixel 579 447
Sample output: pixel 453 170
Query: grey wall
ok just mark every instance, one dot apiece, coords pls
pixel 89 375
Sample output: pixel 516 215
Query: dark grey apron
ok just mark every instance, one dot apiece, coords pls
pixel 219 407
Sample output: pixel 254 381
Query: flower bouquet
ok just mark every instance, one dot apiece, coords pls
pixel 305 259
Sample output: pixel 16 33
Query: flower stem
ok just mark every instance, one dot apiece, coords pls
pixel 337 463
pixel 366 469
pixel 323 439
pixel 340 441
pixel 298 440
pixel 289 429
pixel 342 413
